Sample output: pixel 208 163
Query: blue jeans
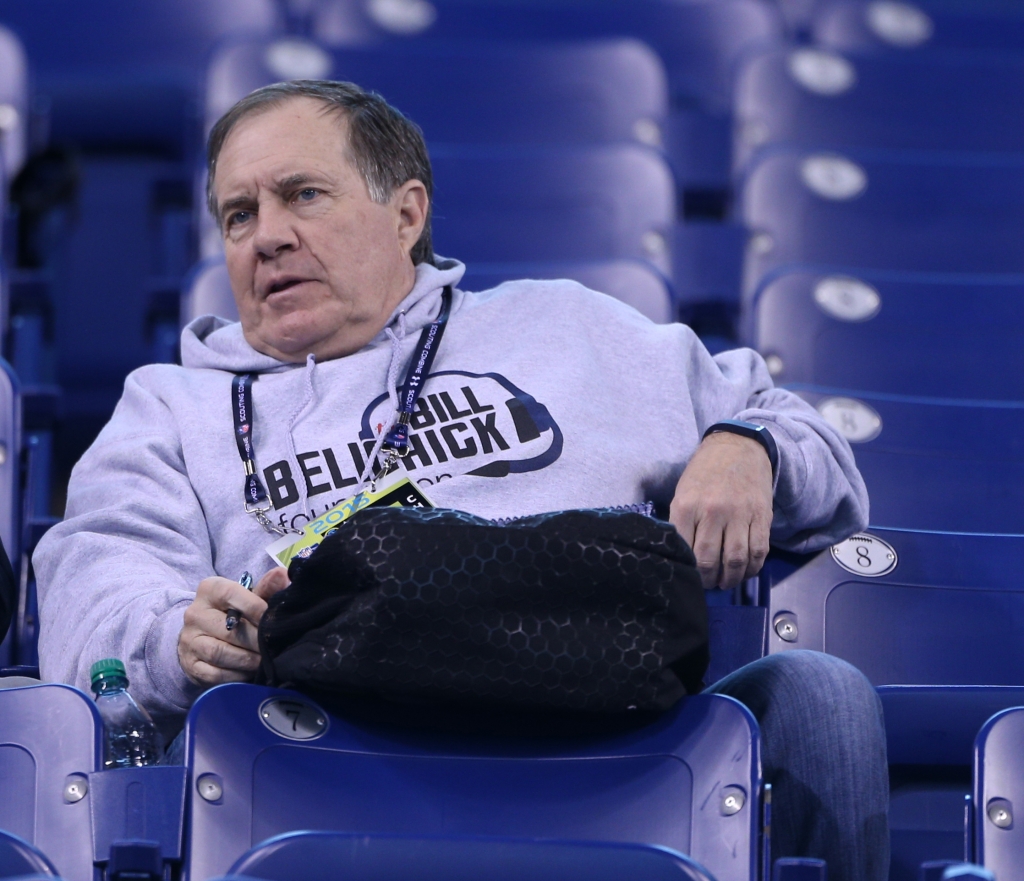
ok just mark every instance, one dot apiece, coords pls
pixel 823 751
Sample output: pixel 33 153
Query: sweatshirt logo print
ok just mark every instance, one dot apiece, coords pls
pixel 464 423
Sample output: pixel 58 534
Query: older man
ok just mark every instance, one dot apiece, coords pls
pixel 543 396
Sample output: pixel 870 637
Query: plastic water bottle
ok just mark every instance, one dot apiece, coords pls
pixel 132 738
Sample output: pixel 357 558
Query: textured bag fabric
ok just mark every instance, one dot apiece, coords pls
pixel 596 610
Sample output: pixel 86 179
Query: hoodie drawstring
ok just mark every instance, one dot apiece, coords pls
pixel 307 400
pixel 392 387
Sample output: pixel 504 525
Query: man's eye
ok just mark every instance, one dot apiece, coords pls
pixel 307 194
pixel 238 217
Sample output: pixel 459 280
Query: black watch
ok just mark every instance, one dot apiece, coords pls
pixel 755 432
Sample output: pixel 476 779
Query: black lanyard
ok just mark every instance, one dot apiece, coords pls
pixel 396 444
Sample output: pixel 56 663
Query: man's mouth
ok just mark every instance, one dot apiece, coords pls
pixel 284 284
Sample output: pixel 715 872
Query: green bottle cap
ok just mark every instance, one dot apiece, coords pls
pixel 105 669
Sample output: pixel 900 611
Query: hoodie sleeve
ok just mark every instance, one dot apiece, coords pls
pixel 820 497
pixel 115 577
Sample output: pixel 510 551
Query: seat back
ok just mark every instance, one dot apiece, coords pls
pixel 931 463
pixel 883 210
pixel 207 291
pixel 10 457
pixel 14 104
pixel 587 203
pixel 50 741
pixel 597 91
pixel 263 762
pixel 919 25
pixel 999 793
pixel 631 281
pixel 814 98
pixel 699 42
pixel 19 858
pixel 892 333
pixel 325 856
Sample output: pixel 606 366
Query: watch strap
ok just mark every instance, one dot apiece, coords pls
pixel 753 431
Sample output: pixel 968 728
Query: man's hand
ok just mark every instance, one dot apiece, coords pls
pixel 723 508
pixel 208 652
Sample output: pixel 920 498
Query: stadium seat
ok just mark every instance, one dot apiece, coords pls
pixel 600 91
pixel 264 762
pixel 699 42
pixel 885 25
pixel 892 333
pixel 813 98
pixel 497 205
pixel 999 794
pixel 18 858
pixel 929 617
pixel 207 291
pixel 933 464
pixel 51 742
pixel 325 856
pixel 14 104
pixel 125 76
pixel 883 210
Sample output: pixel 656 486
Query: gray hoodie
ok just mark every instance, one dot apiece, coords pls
pixel 543 396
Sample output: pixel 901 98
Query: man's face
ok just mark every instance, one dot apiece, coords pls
pixel 315 264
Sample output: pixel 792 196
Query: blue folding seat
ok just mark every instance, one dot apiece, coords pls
pixel 50 741
pixel 325 856
pixel 207 291
pixel 933 464
pixel 989 25
pixel 14 104
pixel 699 42
pixel 599 91
pixel 19 859
pixel 497 205
pixel 892 333
pixel 58 798
pixel 814 98
pixel 997 832
pixel 264 761
pixel 919 211
pixel 934 619
pixel 125 76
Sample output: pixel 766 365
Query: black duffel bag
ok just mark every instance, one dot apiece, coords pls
pixel 597 610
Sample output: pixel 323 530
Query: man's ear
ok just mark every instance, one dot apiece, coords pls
pixel 411 206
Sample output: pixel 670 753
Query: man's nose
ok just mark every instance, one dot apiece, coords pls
pixel 275 231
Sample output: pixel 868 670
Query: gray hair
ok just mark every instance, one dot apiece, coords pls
pixel 386 148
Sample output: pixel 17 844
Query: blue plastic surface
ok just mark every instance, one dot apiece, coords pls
pixel 138 803
pixel 19 858
pixel 50 736
pixel 325 856
pixel 999 779
pixel 700 42
pixel 942 465
pixel 126 75
pixel 657 784
pixel 208 289
pixel 611 90
pixel 593 203
pixel 799 869
pixel 896 101
pixel 931 336
pixel 945 616
pixel 920 211
pixel 955 24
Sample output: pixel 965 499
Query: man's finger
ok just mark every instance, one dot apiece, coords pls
pixel 735 554
pixel 683 517
pixel 207 674
pixel 224 594
pixel 273 582
pixel 707 548
pixel 222 654
pixel 759 544
pixel 213 622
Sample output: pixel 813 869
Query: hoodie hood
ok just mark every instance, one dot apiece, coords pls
pixel 218 344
